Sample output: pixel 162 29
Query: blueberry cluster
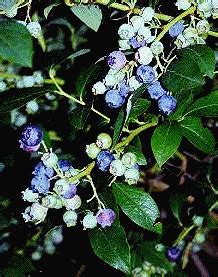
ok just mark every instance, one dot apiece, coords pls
pixel 107 161
pixel 148 269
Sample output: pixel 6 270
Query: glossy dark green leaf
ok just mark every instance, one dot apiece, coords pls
pixel 15 43
pixel 78 117
pixel 165 141
pixel 199 136
pixel 176 201
pixel 182 107
pixel 16 98
pixel 141 160
pixel 138 206
pixel 110 245
pixel 139 107
pixel 119 126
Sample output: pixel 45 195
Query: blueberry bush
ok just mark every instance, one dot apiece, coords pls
pixel 108 117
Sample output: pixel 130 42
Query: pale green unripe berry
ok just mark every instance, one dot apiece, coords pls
pixel 117 168
pixel 131 176
pixel 35 29
pixel 50 159
pixel 197 220
pixel 30 196
pixel 72 203
pixel 199 238
pixel 203 27
pixel 92 150
pixel 70 218
pixel 36 255
pixel 89 221
pixel 137 22
pixel 61 186
pixel 147 13
pixel 52 201
pixel 159 247
pixel 129 159
pixel 104 141
pixel 157 47
pixel 126 31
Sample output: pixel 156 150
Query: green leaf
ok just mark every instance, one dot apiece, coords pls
pixel 200 137
pixel 203 56
pixel 165 141
pixel 138 93
pixel 14 99
pixel 182 75
pixel 86 77
pixel 48 9
pixel 139 107
pixel 118 126
pixel 138 206
pixel 141 160
pixel 15 43
pixel 78 117
pixel 89 15
pixel 182 106
pixel 176 200
pixel 146 250
pixel 110 245
pixel 205 106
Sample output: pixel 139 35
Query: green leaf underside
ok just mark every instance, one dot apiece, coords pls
pixel 110 245
pixel 15 43
pixel 200 137
pixel 165 141
pixel 141 160
pixel 14 99
pixel 181 76
pixel 139 107
pixel 203 56
pixel 89 15
pixel 78 117
pixel 138 206
pixel 205 106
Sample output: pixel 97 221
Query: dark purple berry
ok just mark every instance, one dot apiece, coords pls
pixel 174 254
pixel 40 169
pixel 104 160
pixel 146 74
pixel 116 60
pixel 124 89
pixel 64 165
pixel 105 217
pixel 31 138
pixel 137 41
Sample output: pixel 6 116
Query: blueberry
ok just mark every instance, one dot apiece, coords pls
pixel 104 160
pixel 105 217
pixel 114 99
pixel 40 169
pixel 64 165
pixel 40 184
pixel 176 29
pixel 31 138
pixel 124 89
pixel 174 254
pixel 137 41
pixel 116 60
pixel 155 90
pixel 167 104
pixel 146 74
pixel 71 192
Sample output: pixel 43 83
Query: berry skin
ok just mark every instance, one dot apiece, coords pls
pixel 89 221
pixel 129 159
pixel 31 138
pixel 40 184
pixel 203 26
pixel 157 47
pixel 132 176
pixel 72 203
pixel 51 201
pixel 183 4
pixel 70 218
pixel 28 81
pixel 99 88
pixel 104 141
pixel 40 169
pixel 198 220
pixel 30 196
pixel 144 32
pixel 117 168
pixel 126 31
pixel 92 150
pixel 167 104
pixel 134 83
pixel 124 89
pixel 147 13
pixel 64 165
pixel 104 160
pixel 50 159
pixel 35 29
pixel 114 99
pixel 35 213
pixel 174 254
pixel 155 90
pixel 146 74
pixel 61 187
pixel 116 60
pixel 3 86
pixel 199 238
pixel 105 217
pixel 144 55
pixel 176 29
pixel 71 192
pixel 137 41
pixel 137 22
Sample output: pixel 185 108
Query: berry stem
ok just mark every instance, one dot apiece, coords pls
pixel 83 173
pixel 173 21
pixel 135 132
pixel 183 234
pixel 95 195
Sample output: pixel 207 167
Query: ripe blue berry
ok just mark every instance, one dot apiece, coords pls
pixel 71 192
pixel 167 104
pixel 104 160
pixel 124 89
pixel 40 169
pixel 114 99
pixel 146 74
pixel 105 217
pixel 137 41
pixel 155 90
pixel 176 29
pixel 116 60
pixel 64 165
pixel 31 138
pixel 174 254
pixel 40 184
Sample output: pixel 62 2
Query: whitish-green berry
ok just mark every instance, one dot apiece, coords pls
pixel 117 168
pixel 35 29
pixel 129 159
pixel 30 196
pixel 70 218
pixel 52 201
pixel 72 203
pixel 61 186
pixel 199 238
pixel 131 176
pixel 104 141
pixel 36 255
pixel 50 159
pixel 92 150
pixel 198 220
pixel 89 221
